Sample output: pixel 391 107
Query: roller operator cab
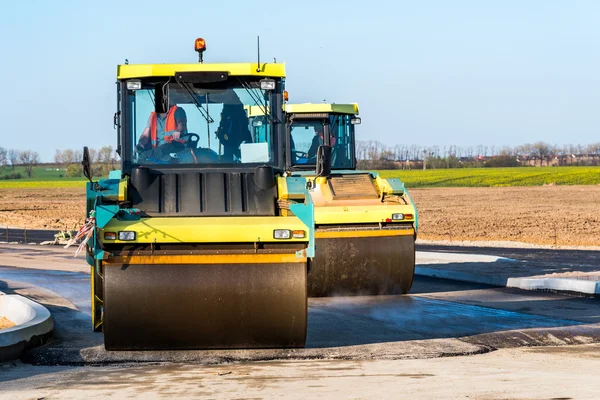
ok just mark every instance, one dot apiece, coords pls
pixel 366 225
pixel 197 243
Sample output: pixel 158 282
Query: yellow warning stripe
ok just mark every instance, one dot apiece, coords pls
pixel 208 259
pixel 358 234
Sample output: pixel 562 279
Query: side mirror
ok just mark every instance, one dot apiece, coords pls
pixel 323 161
pixel 355 121
pixel 161 98
pixel 87 167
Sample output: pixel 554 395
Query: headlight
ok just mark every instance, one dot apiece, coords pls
pixel 267 84
pixel 134 84
pixel 282 234
pixel 397 217
pixel 126 235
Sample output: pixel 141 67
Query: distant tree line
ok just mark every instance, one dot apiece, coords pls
pixel 369 155
pixel 12 158
pixel 103 160
pixel 376 155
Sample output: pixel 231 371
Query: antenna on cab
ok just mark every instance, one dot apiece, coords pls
pixel 258 51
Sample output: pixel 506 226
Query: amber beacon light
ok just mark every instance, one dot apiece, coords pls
pixel 200 47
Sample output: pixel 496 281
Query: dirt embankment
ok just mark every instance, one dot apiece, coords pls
pixel 552 215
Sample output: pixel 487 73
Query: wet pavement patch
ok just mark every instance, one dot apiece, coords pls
pixel 376 319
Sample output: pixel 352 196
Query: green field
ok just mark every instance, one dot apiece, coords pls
pixel 488 177
pixel 42 177
pixel 43 173
pixel 467 177
pixel 39 184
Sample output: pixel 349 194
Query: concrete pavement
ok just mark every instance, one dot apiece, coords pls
pixel 542 373
pixel 579 274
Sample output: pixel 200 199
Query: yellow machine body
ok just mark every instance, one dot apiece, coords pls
pixel 196 253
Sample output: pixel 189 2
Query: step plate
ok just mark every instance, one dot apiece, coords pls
pixel 354 186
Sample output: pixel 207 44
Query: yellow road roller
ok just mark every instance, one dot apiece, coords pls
pixel 365 225
pixel 194 243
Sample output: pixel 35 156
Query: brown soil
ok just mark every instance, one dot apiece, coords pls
pixel 5 323
pixel 552 215
pixel 59 209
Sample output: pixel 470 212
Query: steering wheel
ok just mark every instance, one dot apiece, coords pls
pixel 192 141
pixel 162 154
pixel 301 154
pixel 302 158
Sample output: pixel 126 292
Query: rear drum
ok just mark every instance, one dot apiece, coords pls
pixel 362 266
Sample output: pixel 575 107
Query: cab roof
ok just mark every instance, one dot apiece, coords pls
pixel 131 71
pixel 322 108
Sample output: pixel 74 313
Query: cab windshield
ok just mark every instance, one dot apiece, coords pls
pixel 307 135
pixel 205 123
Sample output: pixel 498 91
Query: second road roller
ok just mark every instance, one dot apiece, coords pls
pixel 365 225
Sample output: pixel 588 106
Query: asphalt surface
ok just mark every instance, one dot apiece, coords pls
pixel 537 255
pixel 439 318
pixel 19 235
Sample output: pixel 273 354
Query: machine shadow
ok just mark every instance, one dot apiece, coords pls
pixel 428 285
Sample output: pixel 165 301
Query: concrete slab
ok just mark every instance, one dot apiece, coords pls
pixel 33 325
pixel 556 284
pixel 431 257
pixel 508 272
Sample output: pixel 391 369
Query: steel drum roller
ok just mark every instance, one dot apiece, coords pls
pixel 204 306
pixel 362 266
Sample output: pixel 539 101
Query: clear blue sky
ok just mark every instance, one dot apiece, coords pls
pixel 461 72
